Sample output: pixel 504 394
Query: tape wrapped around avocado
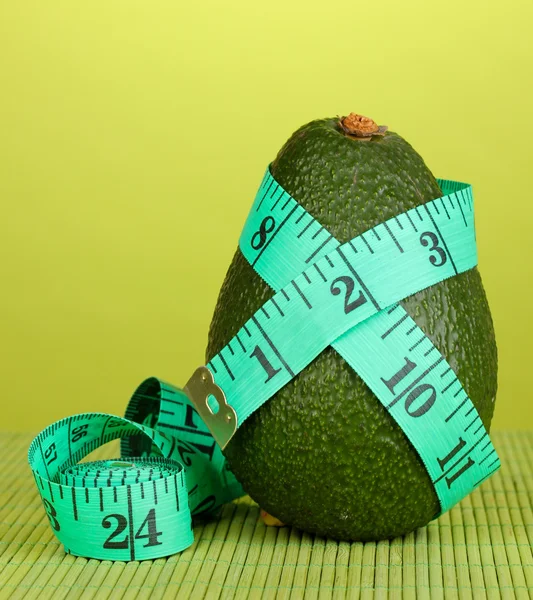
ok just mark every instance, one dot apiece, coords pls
pixel 294 439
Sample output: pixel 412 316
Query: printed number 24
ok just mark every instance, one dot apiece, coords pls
pixel 122 523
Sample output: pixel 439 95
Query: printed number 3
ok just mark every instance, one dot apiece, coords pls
pixel 434 240
pixel 52 513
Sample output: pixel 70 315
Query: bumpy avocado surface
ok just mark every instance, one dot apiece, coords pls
pixel 323 454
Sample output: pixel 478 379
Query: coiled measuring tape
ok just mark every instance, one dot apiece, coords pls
pixel 141 505
pixel 344 295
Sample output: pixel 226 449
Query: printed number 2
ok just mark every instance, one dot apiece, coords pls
pixel 349 283
pixel 435 247
pixel 122 523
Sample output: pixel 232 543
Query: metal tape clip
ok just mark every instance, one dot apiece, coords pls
pixel 223 423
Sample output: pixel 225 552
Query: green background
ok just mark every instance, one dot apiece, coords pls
pixel 133 136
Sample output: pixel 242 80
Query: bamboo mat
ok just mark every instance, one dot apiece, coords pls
pixel 482 548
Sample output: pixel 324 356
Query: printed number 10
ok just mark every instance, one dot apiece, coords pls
pixel 414 394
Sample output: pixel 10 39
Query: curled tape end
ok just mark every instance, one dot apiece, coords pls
pixel 222 422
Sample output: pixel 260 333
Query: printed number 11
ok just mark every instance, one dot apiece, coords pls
pixel 450 457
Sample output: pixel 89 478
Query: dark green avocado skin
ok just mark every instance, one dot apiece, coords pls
pixel 323 454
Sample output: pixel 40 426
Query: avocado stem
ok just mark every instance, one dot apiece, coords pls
pixel 360 127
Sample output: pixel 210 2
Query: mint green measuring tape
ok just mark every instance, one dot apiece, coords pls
pixel 344 295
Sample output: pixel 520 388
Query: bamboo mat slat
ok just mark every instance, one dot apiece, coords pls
pixel 481 549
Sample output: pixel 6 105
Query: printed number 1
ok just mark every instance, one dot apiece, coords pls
pixel 265 363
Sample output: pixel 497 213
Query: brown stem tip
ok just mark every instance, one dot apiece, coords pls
pixel 361 127
pixel 270 520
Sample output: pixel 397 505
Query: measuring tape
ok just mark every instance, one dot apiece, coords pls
pixel 327 293
pixel 141 505
pixel 345 295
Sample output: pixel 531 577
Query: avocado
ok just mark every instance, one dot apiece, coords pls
pixel 292 455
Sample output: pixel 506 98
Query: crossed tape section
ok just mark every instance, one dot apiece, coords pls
pixel 371 331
